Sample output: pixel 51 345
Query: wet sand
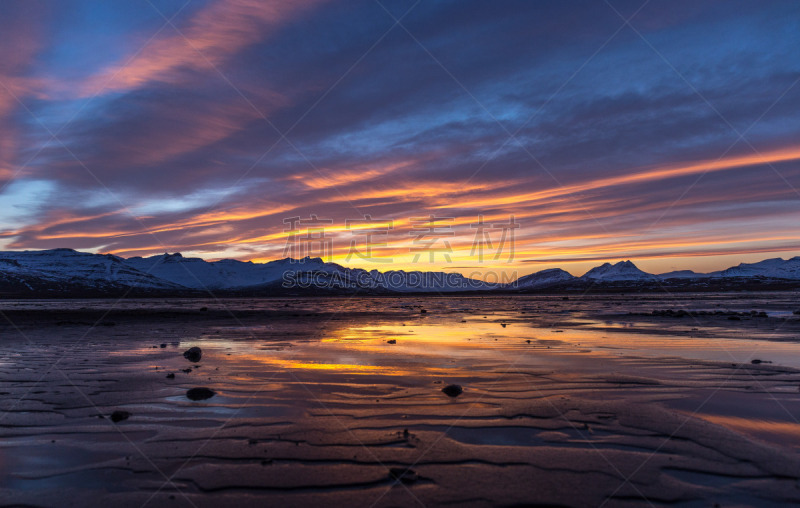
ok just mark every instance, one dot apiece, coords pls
pixel 578 402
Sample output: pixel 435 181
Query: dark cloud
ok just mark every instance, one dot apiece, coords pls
pixel 172 140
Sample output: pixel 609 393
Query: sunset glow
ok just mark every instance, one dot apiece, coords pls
pixel 200 127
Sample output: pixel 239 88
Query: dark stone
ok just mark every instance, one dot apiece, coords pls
pixel 755 362
pixel 423 311
pixel 193 354
pixel 203 309
pixel 163 345
pixel 403 475
pixel 186 371
pixel 452 390
pixel 391 341
pixel 118 416
pixel 200 393
pixel 171 375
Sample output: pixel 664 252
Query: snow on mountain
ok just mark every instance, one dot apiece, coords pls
pixel 542 279
pixel 775 268
pixel 622 271
pixel 197 273
pixel 70 266
pixel 65 267
pixel 68 270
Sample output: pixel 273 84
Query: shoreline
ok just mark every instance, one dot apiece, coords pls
pixel 312 405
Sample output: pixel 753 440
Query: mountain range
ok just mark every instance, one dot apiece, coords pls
pixel 64 272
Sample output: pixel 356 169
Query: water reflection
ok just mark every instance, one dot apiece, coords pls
pixel 323 376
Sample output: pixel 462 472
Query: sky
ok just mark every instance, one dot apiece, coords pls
pixel 665 131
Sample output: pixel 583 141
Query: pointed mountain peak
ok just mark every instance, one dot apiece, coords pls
pixel 620 271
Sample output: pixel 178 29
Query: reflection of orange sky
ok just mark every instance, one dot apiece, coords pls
pixel 444 346
pixel 557 229
pixel 781 432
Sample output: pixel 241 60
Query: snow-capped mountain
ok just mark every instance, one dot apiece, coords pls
pixel 622 271
pixel 68 272
pixel 67 266
pixel 775 268
pixel 197 273
pixel 542 279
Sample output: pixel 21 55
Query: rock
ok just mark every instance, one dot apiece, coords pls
pixel 163 345
pixel 193 354
pixel 756 361
pixel 423 311
pixel 171 375
pixel 203 309
pixel 118 416
pixel 200 393
pixel 403 475
pixel 452 390
pixel 503 325
pixel 186 371
pixel 391 341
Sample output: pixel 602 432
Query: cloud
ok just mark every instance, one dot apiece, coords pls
pixel 212 35
pixel 605 143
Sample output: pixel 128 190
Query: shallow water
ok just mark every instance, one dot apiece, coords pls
pixel 310 393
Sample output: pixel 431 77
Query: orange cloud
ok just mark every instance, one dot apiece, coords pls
pixel 214 33
pixel 663 173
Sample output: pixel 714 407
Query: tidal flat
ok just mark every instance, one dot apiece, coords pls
pixel 602 400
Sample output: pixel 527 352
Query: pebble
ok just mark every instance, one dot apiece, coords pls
pixel 452 390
